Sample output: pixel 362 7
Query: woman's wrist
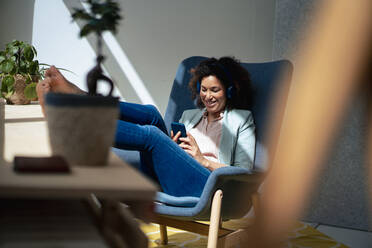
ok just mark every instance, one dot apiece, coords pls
pixel 204 162
pixel 210 165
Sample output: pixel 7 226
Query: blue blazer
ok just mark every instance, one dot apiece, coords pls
pixel 238 140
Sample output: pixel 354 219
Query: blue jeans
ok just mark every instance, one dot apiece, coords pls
pixel 141 128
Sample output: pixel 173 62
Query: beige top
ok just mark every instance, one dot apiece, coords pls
pixel 208 136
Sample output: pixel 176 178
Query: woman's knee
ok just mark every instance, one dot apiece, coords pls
pixel 153 110
pixel 157 119
pixel 153 130
pixel 154 136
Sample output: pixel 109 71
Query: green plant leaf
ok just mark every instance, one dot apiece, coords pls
pixel 27 78
pixel 81 14
pixel 7 66
pixel 14 49
pixel 23 45
pixel 34 50
pixel 7 84
pixel 30 91
pixel 10 88
pixel 23 67
pixel 16 43
pixel 9 47
pixel 42 72
pixel 62 69
pixel 86 30
pixel 28 53
pixel 33 68
pixel 2 58
pixel 4 88
pixel 9 94
pixel 45 64
pixel 8 80
pixel 103 15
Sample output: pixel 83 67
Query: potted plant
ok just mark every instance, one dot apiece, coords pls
pixel 19 72
pixel 82 127
pixel 102 16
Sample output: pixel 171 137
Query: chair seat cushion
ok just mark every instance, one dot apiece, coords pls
pixel 184 201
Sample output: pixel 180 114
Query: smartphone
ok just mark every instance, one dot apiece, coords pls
pixel 178 127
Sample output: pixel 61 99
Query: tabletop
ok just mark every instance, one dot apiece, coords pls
pixel 26 134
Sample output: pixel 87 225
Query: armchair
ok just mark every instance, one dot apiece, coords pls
pixel 230 191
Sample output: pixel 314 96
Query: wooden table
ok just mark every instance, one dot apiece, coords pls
pixel 26 134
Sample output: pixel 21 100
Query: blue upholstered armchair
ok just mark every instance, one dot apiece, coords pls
pixel 229 190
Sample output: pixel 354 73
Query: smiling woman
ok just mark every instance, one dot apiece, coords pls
pixel 218 86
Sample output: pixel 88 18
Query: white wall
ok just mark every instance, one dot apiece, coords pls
pixel 155 36
pixel 15 21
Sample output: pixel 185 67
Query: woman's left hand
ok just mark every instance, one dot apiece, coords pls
pixel 189 145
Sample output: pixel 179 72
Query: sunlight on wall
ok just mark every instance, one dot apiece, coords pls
pixel 128 69
pixel 126 66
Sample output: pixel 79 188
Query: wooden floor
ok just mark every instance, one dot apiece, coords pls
pixel 67 224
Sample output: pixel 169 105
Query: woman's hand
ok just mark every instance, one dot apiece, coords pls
pixel 190 146
pixel 175 137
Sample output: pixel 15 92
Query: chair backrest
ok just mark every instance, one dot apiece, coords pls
pixel 264 77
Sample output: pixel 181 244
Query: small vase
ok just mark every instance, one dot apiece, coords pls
pixel 81 127
pixel 19 97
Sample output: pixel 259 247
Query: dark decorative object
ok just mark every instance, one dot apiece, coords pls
pixel 103 16
pixel 96 74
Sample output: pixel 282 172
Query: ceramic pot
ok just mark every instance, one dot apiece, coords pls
pixel 81 127
pixel 19 97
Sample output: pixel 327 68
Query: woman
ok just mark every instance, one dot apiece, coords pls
pixel 218 134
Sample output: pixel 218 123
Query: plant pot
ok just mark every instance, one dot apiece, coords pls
pixel 19 97
pixel 81 127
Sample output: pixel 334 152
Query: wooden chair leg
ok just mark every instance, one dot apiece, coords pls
pixel 215 219
pixel 163 234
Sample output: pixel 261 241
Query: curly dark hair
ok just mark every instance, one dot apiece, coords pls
pixel 230 73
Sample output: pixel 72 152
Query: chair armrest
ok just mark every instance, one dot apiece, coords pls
pixel 236 173
pixel 224 177
pixel 184 201
pixel 235 182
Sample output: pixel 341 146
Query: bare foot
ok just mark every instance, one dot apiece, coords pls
pixel 42 88
pixel 58 83
pixel 55 82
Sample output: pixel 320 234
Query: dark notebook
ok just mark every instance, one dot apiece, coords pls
pixel 53 164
